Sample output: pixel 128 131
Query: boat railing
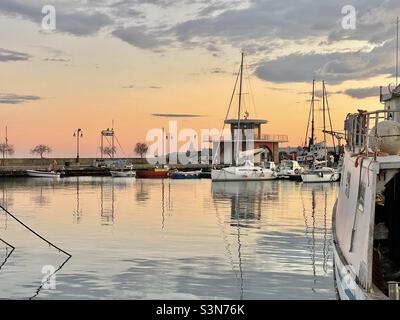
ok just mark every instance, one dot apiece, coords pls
pixel 360 127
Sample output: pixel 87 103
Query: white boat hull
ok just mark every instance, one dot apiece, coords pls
pixel 236 174
pixel 42 174
pixel 123 174
pixel 320 176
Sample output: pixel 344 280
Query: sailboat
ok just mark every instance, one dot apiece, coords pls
pixel 242 170
pixel 319 171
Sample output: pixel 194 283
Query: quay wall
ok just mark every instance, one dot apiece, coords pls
pixel 14 167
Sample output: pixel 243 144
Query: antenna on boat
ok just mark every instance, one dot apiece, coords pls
pixel 239 109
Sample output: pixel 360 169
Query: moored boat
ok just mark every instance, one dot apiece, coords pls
pixel 366 221
pixel 290 169
pixel 246 172
pixel 156 173
pixel 324 174
pixel 43 174
pixel 185 174
pixel 123 174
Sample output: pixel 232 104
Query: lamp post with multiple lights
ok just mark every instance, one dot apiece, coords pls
pixel 78 134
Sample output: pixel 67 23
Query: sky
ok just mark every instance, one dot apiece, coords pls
pixel 142 63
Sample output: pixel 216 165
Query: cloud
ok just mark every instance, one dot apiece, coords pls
pixel 8 55
pixel 178 115
pixel 141 37
pixel 6 98
pixel 57 59
pixel 334 67
pixel 362 93
pixel 72 20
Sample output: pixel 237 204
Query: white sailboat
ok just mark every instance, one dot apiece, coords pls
pixel 244 169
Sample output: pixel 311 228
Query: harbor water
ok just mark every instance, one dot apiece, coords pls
pixel 166 239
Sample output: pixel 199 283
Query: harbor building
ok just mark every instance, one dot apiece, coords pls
pixel 251 137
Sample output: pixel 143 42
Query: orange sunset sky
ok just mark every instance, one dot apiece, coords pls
pixel 127 60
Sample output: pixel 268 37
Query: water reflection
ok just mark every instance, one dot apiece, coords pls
pixel 314 202
pixel 107 201
pixel 78 211
pixel 246 206
pixel 171 239
pixel 246 198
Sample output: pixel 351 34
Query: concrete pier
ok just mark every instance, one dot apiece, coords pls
pixel 86 166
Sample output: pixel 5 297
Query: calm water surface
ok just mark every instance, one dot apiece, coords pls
pixel 154 239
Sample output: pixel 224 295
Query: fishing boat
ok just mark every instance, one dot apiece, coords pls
pixel 290 169
pixel 123 174
pixel 366 220
pixel 156 173
pixel 243 168
pixel 43 174
pixel 185 174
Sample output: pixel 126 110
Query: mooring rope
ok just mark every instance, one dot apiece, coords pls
pixel 8 254
pixel 34 232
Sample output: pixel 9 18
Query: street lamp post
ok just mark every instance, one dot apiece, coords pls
pixel 78 134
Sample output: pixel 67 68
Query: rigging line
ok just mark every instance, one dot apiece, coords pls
pixel 49 277
pixel 8 254
pixel 329 117
pixel 120 146
pixel 308 125
pixel 251 90
pixel 227 115
pixel 34 232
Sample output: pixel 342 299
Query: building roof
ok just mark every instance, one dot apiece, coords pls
pixel 246 121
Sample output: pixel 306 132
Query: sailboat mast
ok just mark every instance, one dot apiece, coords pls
pixel 312 115
pixel 397 53
pixel 239 110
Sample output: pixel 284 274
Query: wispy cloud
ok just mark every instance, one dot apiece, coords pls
pixel 362 93
pixel 176 115
pixel 9 55
pixel 10 98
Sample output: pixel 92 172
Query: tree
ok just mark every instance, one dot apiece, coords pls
pixel 6 149
pixel 40 150
pixel 141 149
pixel 110 151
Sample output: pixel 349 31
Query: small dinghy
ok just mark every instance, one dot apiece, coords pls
pixel 43 174
pixel 185 175
pixel 123 174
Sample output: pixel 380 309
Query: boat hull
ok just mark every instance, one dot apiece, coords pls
pixel 226 175
pixel 42 174
pixel 152 174
pixel 318 178
pixel 123 174
pixel 185 175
